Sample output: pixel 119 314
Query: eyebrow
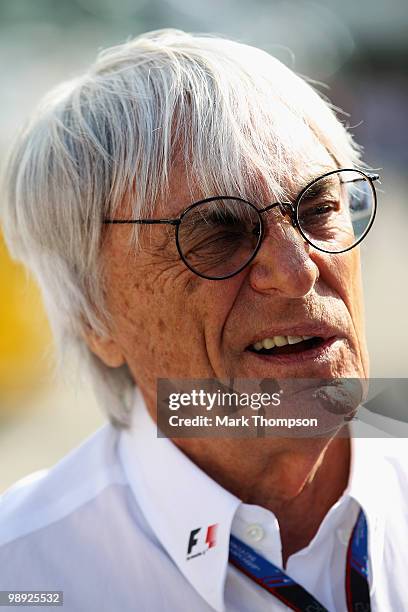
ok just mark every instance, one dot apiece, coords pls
pixel 320 187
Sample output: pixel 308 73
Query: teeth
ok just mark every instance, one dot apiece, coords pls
pixel 269 343
pixel 295 339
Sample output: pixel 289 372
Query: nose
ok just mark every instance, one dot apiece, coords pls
pixel 283 264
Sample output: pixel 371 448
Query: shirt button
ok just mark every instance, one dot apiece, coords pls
pixel 255 532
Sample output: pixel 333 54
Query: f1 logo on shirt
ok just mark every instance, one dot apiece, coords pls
pixel 201 539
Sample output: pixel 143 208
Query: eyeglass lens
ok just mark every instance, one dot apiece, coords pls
pixel 336 211
pixel 219 237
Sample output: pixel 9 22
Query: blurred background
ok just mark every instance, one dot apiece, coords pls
pixel 356 51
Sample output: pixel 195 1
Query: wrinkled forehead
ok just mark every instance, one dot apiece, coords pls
pixel 310 160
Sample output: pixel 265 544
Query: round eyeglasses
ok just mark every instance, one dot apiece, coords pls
pixel 218 237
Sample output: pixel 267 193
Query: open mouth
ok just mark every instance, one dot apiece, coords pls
pixel 286 345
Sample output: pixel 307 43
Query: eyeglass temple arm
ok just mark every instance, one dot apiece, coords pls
pixel 143 221
pixel 372 177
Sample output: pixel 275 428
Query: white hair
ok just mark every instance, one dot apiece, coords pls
pixel 230 112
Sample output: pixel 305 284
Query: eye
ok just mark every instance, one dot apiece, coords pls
pixel 317 212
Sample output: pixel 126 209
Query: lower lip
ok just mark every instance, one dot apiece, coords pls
pixel 317 353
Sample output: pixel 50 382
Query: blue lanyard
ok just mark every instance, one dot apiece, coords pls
pixel 275 581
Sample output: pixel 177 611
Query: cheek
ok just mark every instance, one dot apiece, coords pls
pixel 348 282
pixel 160 326
pixel 342 274
pixel 167 321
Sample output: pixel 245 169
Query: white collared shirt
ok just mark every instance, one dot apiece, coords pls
pixel 110 525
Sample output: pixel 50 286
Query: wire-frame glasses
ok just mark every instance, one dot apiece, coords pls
pixel 219 236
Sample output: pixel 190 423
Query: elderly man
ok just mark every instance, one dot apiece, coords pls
pixel 192 209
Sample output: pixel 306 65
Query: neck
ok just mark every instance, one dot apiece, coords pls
pixel 298 480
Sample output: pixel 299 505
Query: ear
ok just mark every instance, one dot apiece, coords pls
pixel 105 348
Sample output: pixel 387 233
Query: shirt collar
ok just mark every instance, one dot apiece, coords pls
pixel 183 505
